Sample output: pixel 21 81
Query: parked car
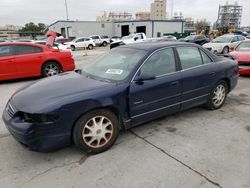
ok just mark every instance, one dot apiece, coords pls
pixel 222 44
pixel 197 39
pixel 114 39
pixel 100 40
pixel 131 85
pixel 26 59
pixel 130 39
pixel 168 38
pixel 2 40
pixel 56 45
pixel 62 40
pixel 83 42
pixel 242 53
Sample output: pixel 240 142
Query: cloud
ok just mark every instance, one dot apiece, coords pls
pixel 19 12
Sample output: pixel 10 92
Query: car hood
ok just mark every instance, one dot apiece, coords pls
pixel 54 92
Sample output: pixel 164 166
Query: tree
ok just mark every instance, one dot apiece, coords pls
pixel 201 25
pixel 33 29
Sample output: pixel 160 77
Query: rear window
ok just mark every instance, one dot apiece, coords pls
pixel 26 49
pixel 5 51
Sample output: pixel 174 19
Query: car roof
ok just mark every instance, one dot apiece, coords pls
pixel 152 46
pixel 23 43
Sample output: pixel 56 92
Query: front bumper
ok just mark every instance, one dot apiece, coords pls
pixel 244 70
pixel 41 137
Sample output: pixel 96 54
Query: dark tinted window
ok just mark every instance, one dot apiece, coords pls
pixel 189 56
pixel 240 38
pixel 160 63
pixel 26 49
pixel 5 51
pixel 87 39
pixel 95 37
pixel 200 37
pixel 205 58
pixel 235 39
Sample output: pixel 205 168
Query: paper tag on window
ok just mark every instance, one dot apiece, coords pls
pixel 114 71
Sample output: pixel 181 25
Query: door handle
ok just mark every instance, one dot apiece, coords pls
pixel 174 83
pixel 211 73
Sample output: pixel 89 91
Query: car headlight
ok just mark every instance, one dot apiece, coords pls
pixel 38 118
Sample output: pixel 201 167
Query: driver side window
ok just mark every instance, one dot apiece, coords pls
pixel 160 63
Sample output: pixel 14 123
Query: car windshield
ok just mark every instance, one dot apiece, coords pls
pixel 223 39
pixel 116 65
pixel 244 46
pixel 75 39
pixel 129 36
pixel 191 37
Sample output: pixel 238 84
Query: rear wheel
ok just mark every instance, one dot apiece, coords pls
pixel 218 96
pixel 96 131
pixel 50 69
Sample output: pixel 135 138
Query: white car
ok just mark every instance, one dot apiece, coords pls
pixel 56 45
pixel 83 42
pixel 224 43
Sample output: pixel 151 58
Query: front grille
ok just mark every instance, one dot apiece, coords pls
pixel 10 110
pixel 244 63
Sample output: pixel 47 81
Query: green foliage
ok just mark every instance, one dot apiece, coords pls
pixel 33 29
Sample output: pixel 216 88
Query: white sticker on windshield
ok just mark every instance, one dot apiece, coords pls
pixel 114 71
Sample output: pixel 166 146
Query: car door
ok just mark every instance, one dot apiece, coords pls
pixel 28 60
pixel 198 73
pixel 80 43
pixel 154 98
pixel 8 70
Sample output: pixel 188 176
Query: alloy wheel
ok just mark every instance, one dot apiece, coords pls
pixel 219 95
pixel 51 70
pixel 97 132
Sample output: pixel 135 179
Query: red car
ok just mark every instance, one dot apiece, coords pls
pixel 24 59
pixel 242 54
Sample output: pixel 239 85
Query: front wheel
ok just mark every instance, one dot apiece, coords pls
pixel 218 96
pixel 50 69
pixel 104 43
pixel 225 50
pixel 90 47
pixel 96 131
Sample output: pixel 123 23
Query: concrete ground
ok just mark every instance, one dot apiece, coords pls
pixel 192 149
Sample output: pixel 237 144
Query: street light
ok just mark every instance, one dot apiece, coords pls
pixel 66 6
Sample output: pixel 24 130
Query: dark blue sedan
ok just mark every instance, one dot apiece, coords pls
pixel 130 85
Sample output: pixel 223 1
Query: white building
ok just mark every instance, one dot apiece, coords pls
pixel 152 28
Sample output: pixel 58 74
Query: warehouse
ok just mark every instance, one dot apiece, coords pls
pixel 152 28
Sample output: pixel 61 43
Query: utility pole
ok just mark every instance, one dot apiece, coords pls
pixel 66 6
pixel 172 8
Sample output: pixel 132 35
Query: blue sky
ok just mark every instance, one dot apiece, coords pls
pixel 19 12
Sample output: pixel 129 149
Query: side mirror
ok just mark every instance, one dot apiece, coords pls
pixel 136 38
pixel 144 77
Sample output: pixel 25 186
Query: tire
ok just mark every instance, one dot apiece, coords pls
pixel 90 47
pixel 104 43
pixel 50 69
pixel 73 48
pixel 96 138
pixel 225 50
pixel 218 96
